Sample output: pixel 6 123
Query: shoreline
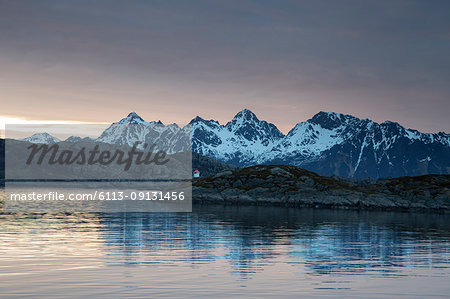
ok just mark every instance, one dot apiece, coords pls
pixel 299 205
pixel 276 185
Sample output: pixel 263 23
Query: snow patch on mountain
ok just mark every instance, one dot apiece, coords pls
pixel 42 138
pixel 311 139
pixel 133 128
pixel 245 139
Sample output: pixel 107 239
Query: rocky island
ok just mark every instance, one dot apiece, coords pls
pixel 292 186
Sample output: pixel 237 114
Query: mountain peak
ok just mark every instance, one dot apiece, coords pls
pixel 44 138
pixel 133 114
pixel 132 118
pixel 330 120
pixel 247 125
pixel 246 114
pixel 196 119
pixel 329 114
pixel 199 119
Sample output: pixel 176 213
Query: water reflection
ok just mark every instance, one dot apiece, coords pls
pixel 237 251
pixel 250 238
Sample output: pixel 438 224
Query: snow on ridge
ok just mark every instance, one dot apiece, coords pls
pixel 311 138
pixel 413 135
pixel 246 140
pixel 41 138
pixel 427 159
pixel 134 118
pixel 229 142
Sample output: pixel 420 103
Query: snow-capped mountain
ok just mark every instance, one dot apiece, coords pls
pixel 329 143
pixel 44 138
pixel 133 128
pixel 333 143
pixel 242 141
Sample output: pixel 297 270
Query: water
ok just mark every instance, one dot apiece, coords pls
pixel 224 252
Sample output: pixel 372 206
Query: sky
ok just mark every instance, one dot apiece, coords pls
pixel 96 61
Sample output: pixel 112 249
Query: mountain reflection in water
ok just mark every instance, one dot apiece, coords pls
pixel 326 241
pixel 313 246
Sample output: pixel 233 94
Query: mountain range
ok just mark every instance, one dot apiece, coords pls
pixel 329 143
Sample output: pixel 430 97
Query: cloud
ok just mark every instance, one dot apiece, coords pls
pixel 381 59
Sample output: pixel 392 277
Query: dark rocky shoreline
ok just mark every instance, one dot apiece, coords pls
pixel 276 185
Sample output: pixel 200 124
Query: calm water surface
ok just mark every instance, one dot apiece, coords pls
pixel 225 252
